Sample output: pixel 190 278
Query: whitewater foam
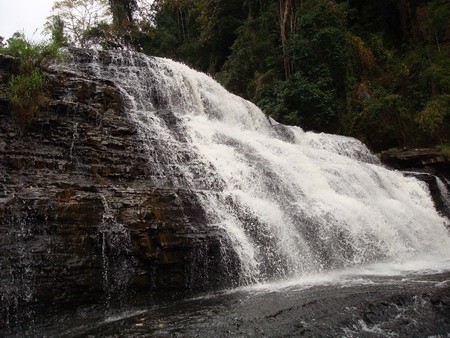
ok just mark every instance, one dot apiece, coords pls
pixel 291 202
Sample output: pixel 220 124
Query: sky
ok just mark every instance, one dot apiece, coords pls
pixel 28 16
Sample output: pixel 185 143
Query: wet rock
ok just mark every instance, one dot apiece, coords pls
pixel 81 214
pixel 425 159
pixel 7 64
pixel 415 306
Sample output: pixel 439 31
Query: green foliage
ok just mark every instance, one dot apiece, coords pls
pixel 122 11
pixel 301 100
pixel 27 96
pixel 376 70
pixel 197 32
pixel 253 62
pixel 388 114
pixel 57 31
pixel 175 25
pixel 434 119
pixel 30 55
pixel 444 149
pixel 27 87
pixel 317 52
pixel 401 101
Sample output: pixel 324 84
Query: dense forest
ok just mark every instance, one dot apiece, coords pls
pixel 375 70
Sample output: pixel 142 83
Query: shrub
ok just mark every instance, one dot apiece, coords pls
pixel 27 87
pixel 433 119
pixel 444 150
pixel 27 96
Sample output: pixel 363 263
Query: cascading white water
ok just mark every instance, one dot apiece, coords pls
pixel 290 201
pixel 445 193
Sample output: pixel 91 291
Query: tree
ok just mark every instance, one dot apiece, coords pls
pixel 198 32
pixel 377 70
pixel 314 53
pixel 287 19
pixel 57 30
pixel 77 16
pixel 254 60
pixel 122 13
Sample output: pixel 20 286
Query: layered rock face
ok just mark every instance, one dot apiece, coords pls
pixel 80 214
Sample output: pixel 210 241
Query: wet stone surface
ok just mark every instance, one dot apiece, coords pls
pixel 82 215
pixel 360 306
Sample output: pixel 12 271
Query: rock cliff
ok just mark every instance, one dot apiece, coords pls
pixel 80 214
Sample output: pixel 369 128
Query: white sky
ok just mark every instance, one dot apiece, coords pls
pixel 24 15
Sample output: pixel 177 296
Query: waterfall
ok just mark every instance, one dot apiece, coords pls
pixel 444 192
pixel 291 202
pixel 115 245
pixel 75 139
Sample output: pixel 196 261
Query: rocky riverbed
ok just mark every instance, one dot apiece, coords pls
pixel 340 304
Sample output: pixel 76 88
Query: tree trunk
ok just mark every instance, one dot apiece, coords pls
pixel 287 22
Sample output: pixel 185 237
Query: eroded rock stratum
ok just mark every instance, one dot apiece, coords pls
pixel 81 213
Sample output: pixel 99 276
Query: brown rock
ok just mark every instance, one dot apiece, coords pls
pixel 80 215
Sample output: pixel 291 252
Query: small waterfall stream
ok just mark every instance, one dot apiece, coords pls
pixel 115 246
pixel 444 191
pixel 291 202
pixel 75 139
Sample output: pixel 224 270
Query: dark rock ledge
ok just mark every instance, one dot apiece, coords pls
pixel 427 158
